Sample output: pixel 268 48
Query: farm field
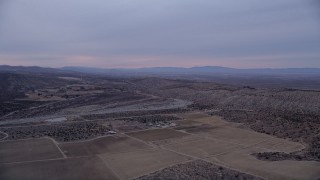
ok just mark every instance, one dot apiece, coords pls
pixel 221 143
pixel 242 160
pixel 28 150
pixel 157 134
pixel 134 154
pixel 71 168
pixel 109 144
pixel 134 164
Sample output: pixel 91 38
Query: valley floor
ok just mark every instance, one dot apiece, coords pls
pixel 203 143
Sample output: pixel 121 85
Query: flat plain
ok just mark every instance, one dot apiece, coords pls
pixel 134 164
pixel 109 144
pixel 131 155
pixel 157 134
pixel 28 150
pixel 71 168
pixel 242 160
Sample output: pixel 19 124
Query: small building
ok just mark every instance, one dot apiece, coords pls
pixel 112 132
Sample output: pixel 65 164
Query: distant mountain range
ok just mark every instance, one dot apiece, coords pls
pixel 204 70
pixel 29 69
pixel 196 70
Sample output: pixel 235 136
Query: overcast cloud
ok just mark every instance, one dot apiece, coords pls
pixel 145 33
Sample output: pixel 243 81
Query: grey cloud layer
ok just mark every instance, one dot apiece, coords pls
pixel 175 29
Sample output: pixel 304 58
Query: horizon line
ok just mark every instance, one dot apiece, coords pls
pixel 149 67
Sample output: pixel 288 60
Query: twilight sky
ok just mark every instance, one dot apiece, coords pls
pixel 148 33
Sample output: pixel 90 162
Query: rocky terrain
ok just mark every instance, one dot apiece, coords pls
pixel 60 132
pixel 198 170
pixel 80 129
pixel 280 156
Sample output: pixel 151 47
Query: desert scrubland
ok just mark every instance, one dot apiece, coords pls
pixel 98 127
